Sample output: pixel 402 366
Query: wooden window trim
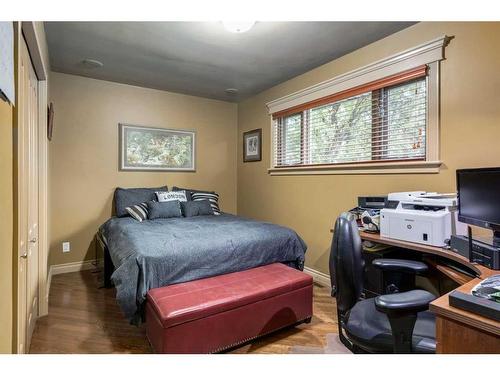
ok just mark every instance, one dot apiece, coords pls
pixel 379 132
pixel 370 167
pixel 325 165
pixel 378 165
pixel 395 79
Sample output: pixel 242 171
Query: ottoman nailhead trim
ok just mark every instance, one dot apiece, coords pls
pixel 255 337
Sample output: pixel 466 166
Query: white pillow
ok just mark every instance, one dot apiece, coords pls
pixel 166 196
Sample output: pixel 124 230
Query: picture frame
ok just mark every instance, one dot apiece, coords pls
pixel 252 145
pixel 50 121
pixel 143 148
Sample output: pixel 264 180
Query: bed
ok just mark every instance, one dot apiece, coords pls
pixel 140 256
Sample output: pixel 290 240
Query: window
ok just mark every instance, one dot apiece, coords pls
pixel 381 121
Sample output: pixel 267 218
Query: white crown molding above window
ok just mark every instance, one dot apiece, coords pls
pixel 425 53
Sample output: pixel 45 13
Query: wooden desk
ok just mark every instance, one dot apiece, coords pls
pixel 460 278
pixel 461 332
pixel 457 331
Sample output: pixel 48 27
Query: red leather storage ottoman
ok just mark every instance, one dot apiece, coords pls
pixel 214 314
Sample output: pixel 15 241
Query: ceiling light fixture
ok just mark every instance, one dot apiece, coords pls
pixel 92 64
pixel 231 91
pixel 238 27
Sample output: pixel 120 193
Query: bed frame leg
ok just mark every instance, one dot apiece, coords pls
pixel 108 268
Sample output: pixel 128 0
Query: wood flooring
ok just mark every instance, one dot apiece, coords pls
pixel 84 318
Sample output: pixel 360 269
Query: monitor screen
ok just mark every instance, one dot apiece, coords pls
pixel 479 196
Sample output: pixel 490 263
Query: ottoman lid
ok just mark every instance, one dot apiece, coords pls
pixel 180 303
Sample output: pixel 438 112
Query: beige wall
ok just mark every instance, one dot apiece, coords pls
pixel 84 152
pixel 6 227
pixel 470 133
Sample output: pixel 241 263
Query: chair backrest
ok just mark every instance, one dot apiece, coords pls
pixel 346 263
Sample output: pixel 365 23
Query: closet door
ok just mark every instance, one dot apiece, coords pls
pixel 22 203
pixel 27 200
pixel 32 260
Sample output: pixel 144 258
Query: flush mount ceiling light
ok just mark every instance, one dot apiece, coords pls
pixel 238 27
pixel 231 91
pixel 92 64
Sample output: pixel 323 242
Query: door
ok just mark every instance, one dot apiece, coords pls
pixel 27 200
pixel 32 260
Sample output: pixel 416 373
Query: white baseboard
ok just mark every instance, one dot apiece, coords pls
pixel 57 269
pixel 319 277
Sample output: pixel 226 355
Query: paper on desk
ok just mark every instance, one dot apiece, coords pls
pixel 488 288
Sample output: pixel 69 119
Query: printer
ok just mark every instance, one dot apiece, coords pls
pixel 418 216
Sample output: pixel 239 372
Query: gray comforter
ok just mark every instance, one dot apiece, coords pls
pixel 155 253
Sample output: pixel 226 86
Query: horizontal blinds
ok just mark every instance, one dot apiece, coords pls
pixel 392 80
pixel 388 123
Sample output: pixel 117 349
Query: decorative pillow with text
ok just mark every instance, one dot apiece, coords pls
pixel 167 196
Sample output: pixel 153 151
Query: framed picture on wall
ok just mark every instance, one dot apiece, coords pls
pixel 252 145
pixel 156 149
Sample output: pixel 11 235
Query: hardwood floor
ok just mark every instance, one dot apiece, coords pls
pixel 84 318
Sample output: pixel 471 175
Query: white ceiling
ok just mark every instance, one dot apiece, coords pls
pixel 202 58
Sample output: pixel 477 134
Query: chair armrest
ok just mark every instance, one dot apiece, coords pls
pixel 401 265
pixel 401 310
pixel 413 301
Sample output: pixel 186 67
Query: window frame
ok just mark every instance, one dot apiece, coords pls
pixel 378 124
pixel 430 54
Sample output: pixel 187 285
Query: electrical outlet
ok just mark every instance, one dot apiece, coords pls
pixel 66 247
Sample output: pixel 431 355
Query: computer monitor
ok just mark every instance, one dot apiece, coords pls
pixel 479 198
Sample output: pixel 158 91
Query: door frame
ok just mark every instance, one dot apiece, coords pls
pixel 28 31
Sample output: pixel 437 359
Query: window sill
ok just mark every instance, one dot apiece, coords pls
pixel 399 167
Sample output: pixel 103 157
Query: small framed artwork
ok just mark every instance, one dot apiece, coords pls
pixel 252 145
pixel 50 121
pixel 156 149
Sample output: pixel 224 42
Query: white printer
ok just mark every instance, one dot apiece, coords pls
pixel 417 216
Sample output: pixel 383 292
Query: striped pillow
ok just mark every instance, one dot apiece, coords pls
pixel 139 211
pixel 212 197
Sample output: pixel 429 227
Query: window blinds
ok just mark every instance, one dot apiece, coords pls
pixel 380 121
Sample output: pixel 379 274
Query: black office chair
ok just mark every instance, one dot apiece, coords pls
pixel 390 323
